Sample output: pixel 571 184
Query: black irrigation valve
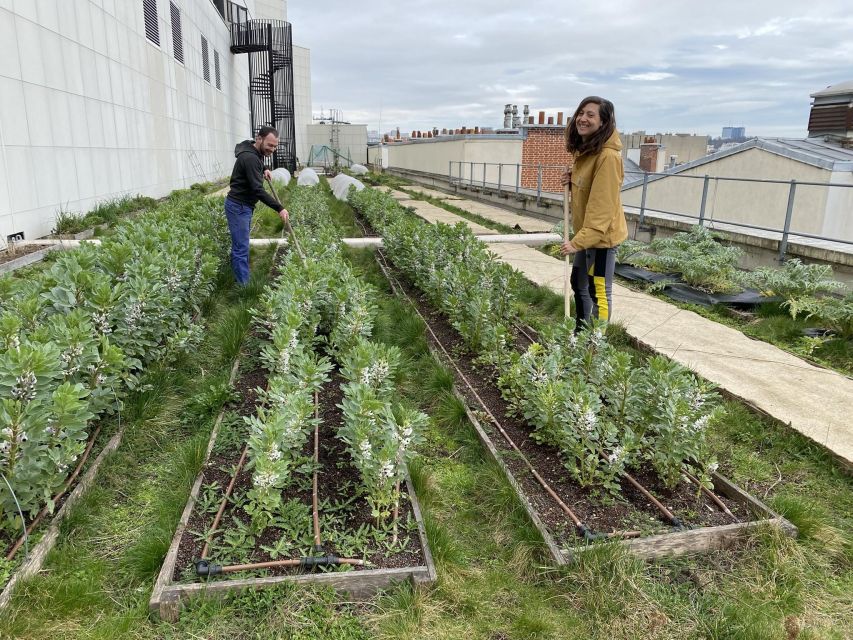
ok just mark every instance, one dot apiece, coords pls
pixel 318 549
pixel 206 569
pixel 309 562
pixel 678 525
pixel 588 535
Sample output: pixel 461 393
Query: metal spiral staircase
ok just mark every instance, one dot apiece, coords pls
pixel 270 47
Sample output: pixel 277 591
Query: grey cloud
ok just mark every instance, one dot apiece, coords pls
pixel 668 66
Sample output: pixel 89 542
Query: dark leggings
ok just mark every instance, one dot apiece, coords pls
pixel 592 282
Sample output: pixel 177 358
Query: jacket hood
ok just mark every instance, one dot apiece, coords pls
pixel 247 146
pixel 613 142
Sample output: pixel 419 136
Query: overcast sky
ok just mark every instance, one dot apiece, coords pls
pixel 668 66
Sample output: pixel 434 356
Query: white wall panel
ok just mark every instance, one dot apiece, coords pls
pixel 29 50
pixel 10 64
pixel 13 112
pixel 39 123
pixel 67 15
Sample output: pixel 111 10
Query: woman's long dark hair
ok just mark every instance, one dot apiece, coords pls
pixel 575 144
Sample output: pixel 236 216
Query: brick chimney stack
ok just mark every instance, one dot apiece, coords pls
pixel 649 153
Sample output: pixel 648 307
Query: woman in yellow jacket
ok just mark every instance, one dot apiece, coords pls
pixel 597 216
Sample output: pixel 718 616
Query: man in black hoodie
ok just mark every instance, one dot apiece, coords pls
pixel 247 187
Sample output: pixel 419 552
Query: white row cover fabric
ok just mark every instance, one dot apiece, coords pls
pixel 358 169
pixel 308 178
pixel 281 175
pixel 341 183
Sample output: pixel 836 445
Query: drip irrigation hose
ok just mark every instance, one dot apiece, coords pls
pixel 582 530
pixel 26 536
pixel 41 514
pixel 224 502
pixel 203 568
pixel 673 520
pixel 318 541
pixel 710 494
pixel 396 514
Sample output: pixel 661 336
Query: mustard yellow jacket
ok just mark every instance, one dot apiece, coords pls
pixel 597 216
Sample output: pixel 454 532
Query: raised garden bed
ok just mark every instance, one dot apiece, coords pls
pixel 273 505
pixel 21 257
pixel 635 522
pixel 178 582
pixel 38 553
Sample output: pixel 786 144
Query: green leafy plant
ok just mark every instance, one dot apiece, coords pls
pixel 835 314
pixel 700 259
pixel 794 281
pixel 78 334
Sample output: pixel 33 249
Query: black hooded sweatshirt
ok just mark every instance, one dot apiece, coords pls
pixel 247 179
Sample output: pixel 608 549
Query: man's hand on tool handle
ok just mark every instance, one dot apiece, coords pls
pixel 283 215
pixel 267 174
pixel 566 177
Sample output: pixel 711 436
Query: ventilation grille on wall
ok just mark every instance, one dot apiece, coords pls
pixel 205 59
pixel 177 36
pixel 152 29
pixel 216 69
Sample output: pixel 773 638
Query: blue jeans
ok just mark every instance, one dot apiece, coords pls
pixel 239 223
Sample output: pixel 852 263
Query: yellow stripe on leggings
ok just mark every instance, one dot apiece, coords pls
pixel 601 298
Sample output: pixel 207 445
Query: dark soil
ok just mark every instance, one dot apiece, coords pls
pixel 337 480
pixel 601 514
pixel 8 256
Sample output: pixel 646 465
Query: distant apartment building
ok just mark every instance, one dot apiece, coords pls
pixel 733 133
pixel 826 156
pixel 671 149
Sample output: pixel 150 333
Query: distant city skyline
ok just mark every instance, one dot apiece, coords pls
pixel 668 67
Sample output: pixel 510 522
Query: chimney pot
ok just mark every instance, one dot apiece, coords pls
pixel 559 117
pixel 550 119
pixel 541 117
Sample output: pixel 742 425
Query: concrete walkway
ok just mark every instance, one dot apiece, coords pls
pixel 502 216
pixel 432 193
pixel 433 214
pixel 399 196
pixel 812 400
pixel 495 214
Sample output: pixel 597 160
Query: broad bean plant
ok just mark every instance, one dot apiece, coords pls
pixel 603 412
pixel 318 303
pixel 76 335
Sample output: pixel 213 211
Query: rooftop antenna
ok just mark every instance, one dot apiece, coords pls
pixel 335 119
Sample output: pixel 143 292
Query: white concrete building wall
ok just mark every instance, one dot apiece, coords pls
pixel 270 10
pixel 760 204
pixel 91 110
pixel 838 221
pixel 302 99
pixel 435 155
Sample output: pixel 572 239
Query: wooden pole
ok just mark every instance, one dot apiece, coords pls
pixel 567 278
